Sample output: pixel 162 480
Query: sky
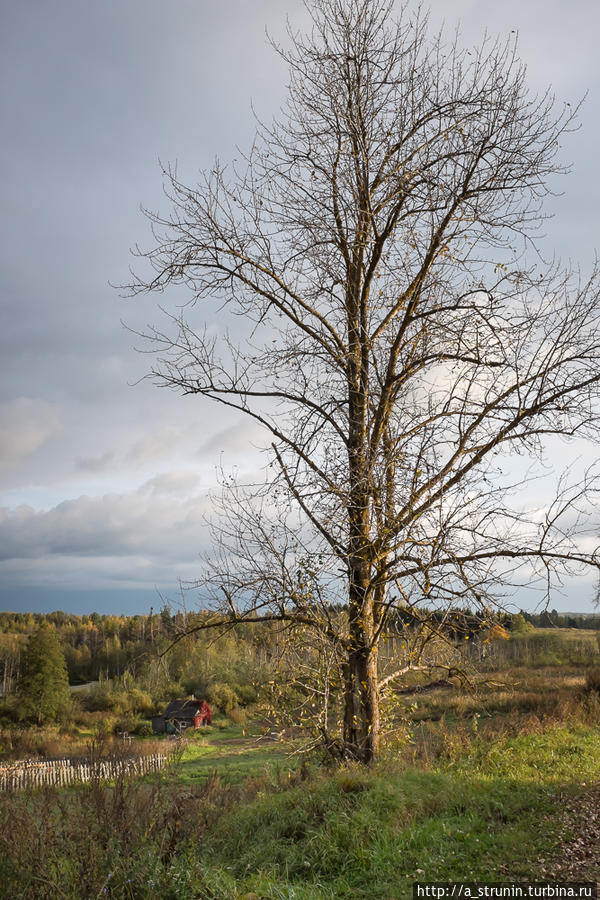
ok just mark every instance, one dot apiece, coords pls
pixel 105 479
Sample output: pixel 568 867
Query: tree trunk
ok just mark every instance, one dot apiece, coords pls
pixel 361 698
pixel 361 705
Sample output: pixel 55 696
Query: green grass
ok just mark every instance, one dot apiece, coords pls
pixel 486 817
pixel 199 762
pixel 545 647
pixel 484 805
pixel 559 756
pixel 232 755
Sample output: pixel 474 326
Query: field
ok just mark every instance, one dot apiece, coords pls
pixel 494 782
pixel 231 755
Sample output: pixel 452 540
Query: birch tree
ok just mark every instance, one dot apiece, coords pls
pixel 403 342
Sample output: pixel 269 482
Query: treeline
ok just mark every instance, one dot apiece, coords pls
pixel 108 647
pixel 456 624
pixel 553 619
pixel 464 623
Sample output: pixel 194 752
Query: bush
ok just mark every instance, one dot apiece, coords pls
pixel 107 697
pixel 105 724
pixel 223 697
pixel 520 625
pixel 246 693
pixel 238 716
pixel 102 698
pixel 143 729
pixel 9 710
pixel 194 684
pixel 128 723
pixel 140 702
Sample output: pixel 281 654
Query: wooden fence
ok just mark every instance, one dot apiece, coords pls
pixel 27 774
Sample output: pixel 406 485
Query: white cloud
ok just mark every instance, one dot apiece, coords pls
pixel 158 526
pixel 182 483
pixel 243 437
pixel 157 445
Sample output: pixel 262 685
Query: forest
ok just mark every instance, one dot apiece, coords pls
pixel 108 646
pixel 123 669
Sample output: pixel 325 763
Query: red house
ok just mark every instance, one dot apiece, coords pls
pixel 182 714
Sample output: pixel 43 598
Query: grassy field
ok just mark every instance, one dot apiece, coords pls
pixel 473 784
pixel 542 647
pixel 232 755
pixel 491 814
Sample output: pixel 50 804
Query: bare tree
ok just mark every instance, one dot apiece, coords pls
pixel 403 338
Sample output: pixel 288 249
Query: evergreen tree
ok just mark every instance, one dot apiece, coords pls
pixel 44 684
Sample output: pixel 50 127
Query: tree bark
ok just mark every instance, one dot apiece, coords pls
pixel 361 706
pixel 361 699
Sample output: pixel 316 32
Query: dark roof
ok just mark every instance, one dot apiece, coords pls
pixel 183 709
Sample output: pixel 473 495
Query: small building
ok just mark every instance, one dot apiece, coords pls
pixel 182 714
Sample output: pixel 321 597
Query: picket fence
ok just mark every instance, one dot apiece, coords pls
pixel 27 774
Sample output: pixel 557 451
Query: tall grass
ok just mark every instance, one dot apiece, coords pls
pixel 473 794
pixel 130 839
pixel 484 811
pixel 542 647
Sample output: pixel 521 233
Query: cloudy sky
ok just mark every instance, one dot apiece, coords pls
pixel 103 480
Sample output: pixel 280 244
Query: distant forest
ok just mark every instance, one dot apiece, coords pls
pixel 103 647
pixel 107 646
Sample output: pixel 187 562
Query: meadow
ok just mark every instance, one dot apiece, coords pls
pixel 485 783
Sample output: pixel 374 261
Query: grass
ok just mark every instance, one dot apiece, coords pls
pixel 487 817
pixel 232 752
pixel 549 692
pixel 544 647
pixel 477 795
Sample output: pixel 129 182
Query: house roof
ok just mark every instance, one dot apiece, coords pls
pixel 183 709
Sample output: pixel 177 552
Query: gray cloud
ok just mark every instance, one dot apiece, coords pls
pixel 91 95
pixel 25 425
pixel 159 527
pixel 243 437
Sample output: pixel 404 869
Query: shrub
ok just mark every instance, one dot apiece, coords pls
pixel 194 684
pixel 105 724
pixel 520 625
pixel 128 723
pixel 140 702
pixel 143 729
pixel 246 693
pixel 107 697
pixel 222 696
pixel 238 716
pixel 9 710
pixel 103 698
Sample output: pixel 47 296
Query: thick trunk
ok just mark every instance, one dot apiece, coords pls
pixel 361 706
pixel 361 698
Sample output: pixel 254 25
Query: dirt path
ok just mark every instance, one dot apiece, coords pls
pixel 578 858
